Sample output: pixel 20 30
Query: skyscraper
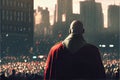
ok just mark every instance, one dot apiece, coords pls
pixel 63 16
pixel 91 15
pixel 42 27
pixel 44 16
pixel 63 10
pixel 16 24
pixel 92 18
pixel 114 26
pixel 114 18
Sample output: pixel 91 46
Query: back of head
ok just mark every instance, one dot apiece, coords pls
pixel 75 40
pixel 76 27
pixel 13 72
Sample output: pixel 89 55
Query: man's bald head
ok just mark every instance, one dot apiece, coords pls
pixel 76 27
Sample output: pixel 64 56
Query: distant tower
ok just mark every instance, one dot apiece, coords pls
pixel 45 17
pixel 55 13
pixel 91 15
pixel 63 10
pixel 42 28
pixel 92 18
pixel 114 26
pixel 114 18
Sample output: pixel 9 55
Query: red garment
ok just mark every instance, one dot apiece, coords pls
pixel 64 65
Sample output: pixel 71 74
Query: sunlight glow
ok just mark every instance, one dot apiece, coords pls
pixel 37 18
pixel 63 17
pixel 51 6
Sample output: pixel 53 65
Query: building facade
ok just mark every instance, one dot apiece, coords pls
pixel 113 18
pixel 92 18
pixel 114 27
pixel 63 16
pixel 63 10
pixel 42 25
pixel 16 23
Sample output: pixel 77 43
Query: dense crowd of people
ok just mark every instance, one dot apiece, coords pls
pixel 22 68
pixel 112 68
pixel 25 68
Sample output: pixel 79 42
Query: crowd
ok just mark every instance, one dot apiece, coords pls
pixel 23 71
pixel 25 68
pixel 22 68
pixel 112 68
pixel 21 76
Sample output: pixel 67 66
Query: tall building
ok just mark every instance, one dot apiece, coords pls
pixel 63 10
pixel 63 16
pixel 92 18
pixel 42 27
pixel 44 16
pixel 114 18
pixel 114 26
pixel 16 24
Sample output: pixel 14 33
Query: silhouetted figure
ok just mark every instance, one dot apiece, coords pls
pixel 74 58
pixel 13 76
pixel 117 77
pixel 2 77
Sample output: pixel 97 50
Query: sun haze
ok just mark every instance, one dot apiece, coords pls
pixel 76 7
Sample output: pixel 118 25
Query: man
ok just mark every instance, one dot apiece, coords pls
pixel 74 58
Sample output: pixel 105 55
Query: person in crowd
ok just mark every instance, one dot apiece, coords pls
pixel 3 77
pixel 74 58
pixel 13 75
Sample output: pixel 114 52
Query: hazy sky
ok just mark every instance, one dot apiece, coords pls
pixel 51 6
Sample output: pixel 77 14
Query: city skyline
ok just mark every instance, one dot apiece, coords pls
pixel 76 7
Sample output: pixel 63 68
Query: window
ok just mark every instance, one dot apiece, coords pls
pixel 21 16
pixel 24 29
pixel 7 16
pixel 14 3
pixel 11 15
pixel 24 5
pixel 7 2
pixel 0 2
pixel 11 3
pixel 3 14
pixel 3 2
pixel 14 15
pixel 18 4
pixel 25 17
pixel 29 17
pixel 21 29
pixel 21 4
pixel 18 16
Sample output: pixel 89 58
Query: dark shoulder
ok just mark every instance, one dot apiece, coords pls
pixel 91 46
pixel 92 49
